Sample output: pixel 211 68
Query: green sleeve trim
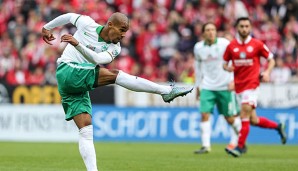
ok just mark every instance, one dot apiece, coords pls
pixel 77 20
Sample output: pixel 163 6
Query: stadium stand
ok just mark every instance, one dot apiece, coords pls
pixel 161 37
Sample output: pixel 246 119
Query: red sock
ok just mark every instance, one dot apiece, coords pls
pixel 266 123
pixel 243 133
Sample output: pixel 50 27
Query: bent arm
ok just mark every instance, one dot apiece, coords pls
pixel 227 67
pixel 93 57
pixel 271 64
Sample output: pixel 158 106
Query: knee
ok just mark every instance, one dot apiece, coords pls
pixel 205 117
pixel 254 121
pixel 230 120
pixel 86 123
pixel 246 110
pixel 82 120
pixel 114 74
pixel 107 76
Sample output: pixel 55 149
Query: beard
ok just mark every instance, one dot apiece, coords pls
pixel 244 35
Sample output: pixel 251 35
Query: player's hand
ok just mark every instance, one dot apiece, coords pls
pixel 198 94
pixel 265 77
pixel 47 36
pixel 69 39
pixel 230 69
pixel 231 86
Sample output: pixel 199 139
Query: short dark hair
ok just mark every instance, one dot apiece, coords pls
pixel 241 19
pixel 205 25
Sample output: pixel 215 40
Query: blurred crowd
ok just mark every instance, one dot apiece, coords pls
pixel 159 44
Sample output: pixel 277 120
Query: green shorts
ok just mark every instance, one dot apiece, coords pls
pixel 74 83
pixel 224 100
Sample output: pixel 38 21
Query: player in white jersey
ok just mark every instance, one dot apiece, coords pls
pixel 212 84
pixel 78 72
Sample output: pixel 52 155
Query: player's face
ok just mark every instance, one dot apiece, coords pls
pixel 210 33
pixel 117 32
pixel 244 28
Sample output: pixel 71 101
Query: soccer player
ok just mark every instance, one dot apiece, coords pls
pixel 245 53
pixel 78 71
pixel 212 83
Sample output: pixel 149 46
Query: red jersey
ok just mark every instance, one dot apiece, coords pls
pixel 246 61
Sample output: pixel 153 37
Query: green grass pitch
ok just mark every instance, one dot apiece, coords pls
pixel 15 156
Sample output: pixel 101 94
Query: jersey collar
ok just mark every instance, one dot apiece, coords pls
pixel 205 43
pixel 246 40
pixel 98 30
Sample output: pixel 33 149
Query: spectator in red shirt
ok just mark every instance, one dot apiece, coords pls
pixel 17 75
pixel 36 77
pixel 245 53
pixel 125 62
pixel 149 72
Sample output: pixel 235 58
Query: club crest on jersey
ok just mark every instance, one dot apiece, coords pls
pixel 104 47
pixel 115 53
pixel 91 47
pixel 249 49
pixel 242 55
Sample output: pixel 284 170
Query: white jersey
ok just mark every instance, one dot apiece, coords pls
pixel 88 35
pixel 210 74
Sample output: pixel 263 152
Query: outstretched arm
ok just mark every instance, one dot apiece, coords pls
pixel 93 57
pixel 59 21
pixel 62 20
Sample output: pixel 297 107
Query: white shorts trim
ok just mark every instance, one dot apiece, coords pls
pixel 249 97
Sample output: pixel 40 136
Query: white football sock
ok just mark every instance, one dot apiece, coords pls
pixel 206 133
pixel 138 84
pixel 236 127
pixel 86 147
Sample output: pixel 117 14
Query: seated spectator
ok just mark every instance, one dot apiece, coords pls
pixel 163 74
pixel 235 9
pixel 36 77
pixel 124 61
pixel 149 72
pixel 187 41
pixel 280 74
pixel 168 42
pixel 188 74
pixel 291 63
pixel 290 43
pixel 50 74
pixel 17 76
pixel 7 62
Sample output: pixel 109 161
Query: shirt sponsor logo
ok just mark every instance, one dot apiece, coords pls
pixel 104 47
pixel 115 53
pixel 243 62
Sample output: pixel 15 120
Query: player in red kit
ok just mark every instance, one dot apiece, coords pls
pixel 245 53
